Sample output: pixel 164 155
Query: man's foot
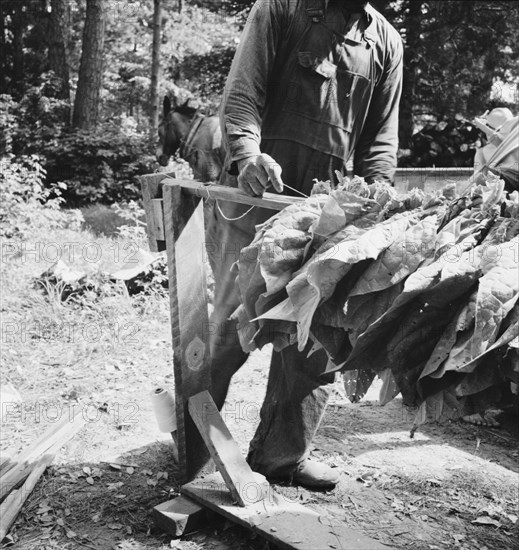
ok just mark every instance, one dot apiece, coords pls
pixel 316 475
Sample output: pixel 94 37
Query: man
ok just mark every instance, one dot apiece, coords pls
pixel 312 83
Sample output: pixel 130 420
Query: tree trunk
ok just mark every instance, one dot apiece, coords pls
pixel 17 28
pixel 155 69
pixel 413 19
pixel 180 5
pixel 86 104
pixel 58 58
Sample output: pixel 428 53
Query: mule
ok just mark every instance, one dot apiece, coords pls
pixel 197 138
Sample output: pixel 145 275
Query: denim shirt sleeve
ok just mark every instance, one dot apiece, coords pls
pixel 375 155
pixel 245 91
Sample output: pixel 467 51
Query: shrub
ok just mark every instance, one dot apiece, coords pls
pixel 206 73
pixel 8 124
pixel 99 167
pixel 450 143
pixel 26 203
pixel 93 166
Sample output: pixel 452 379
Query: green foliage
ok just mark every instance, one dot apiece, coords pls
pixel 8 123
pixel 98 167
pixel 198 46
pixel 451 143
pixel 38 118
pixel 455 51
pixel 134 229
pixel 25 201
pixel 206 73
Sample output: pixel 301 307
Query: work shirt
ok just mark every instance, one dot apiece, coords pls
pixel 308 72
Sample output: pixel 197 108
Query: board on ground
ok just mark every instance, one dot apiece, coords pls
pixel 286 524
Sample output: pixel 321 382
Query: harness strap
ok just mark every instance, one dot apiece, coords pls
pixel 185 144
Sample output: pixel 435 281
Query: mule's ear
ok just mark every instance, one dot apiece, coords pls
pixel 166 105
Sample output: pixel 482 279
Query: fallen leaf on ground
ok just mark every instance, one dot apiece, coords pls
pixel 485 520
pixel 42 509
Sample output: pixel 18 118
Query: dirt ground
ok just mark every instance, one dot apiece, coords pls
pixel 421 493
pixel 454 486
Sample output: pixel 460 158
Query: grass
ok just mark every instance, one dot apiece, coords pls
pixel 101 352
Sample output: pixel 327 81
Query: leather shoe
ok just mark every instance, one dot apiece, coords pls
pixel 316 475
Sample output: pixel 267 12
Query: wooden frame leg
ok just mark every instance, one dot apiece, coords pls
pixel 185 241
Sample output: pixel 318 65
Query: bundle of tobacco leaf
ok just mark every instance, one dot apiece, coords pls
pixel 421 289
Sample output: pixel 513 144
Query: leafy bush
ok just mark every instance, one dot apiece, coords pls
pixel 450 143
pixel 25 202
pixel 96 166
pixel 206 73
pixel 39 117
pixel 8 124
pixel 99 167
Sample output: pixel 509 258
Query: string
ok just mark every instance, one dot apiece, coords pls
pixel 251 208
pixel 233 219
pixel 296 190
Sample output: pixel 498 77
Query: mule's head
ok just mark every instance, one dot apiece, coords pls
pixel 173 128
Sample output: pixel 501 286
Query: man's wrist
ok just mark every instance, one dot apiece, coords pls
pixel 241 163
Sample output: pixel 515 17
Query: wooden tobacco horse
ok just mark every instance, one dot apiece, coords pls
pixel 197 138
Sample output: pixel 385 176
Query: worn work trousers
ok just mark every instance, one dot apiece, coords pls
pixel 297 391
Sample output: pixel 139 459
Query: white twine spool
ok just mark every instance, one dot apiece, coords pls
pixel 163 405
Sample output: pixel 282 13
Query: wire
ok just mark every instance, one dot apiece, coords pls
pixel 296 190
pixel 233 219
pixel 251 208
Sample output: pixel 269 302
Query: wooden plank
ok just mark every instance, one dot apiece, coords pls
pixel 427 179
pixel 151 188
pixel 158 218
pixel 12 505
pixel 184 229
pixel 6 461
pixel 221 192
pixel 431 179
pixel 245 486
pixel 288 525
pixel 22 464
pixel 179 516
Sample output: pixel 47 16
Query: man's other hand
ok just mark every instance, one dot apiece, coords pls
pixel 256 172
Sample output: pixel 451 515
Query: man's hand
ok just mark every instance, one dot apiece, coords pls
pixel 256 172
